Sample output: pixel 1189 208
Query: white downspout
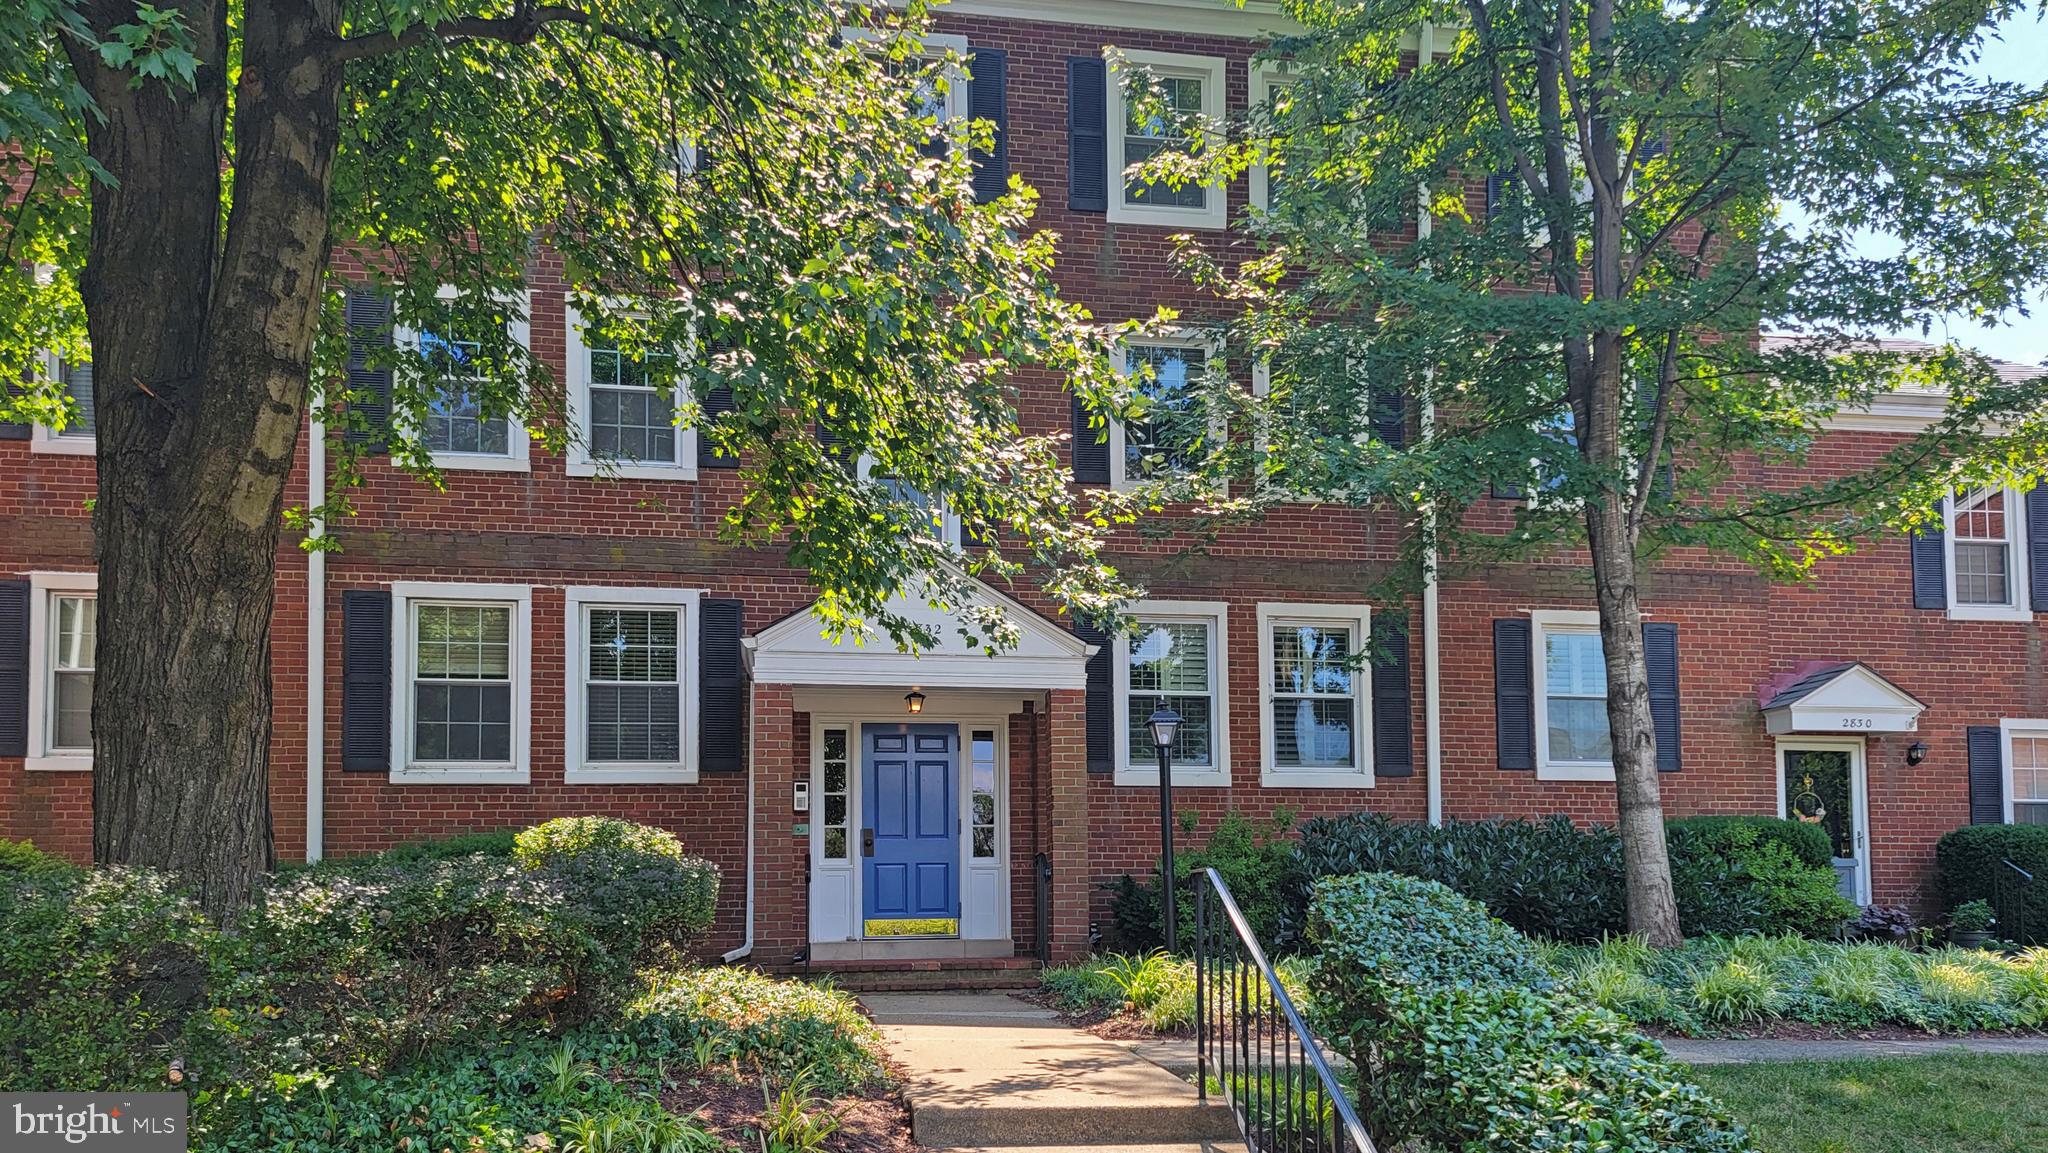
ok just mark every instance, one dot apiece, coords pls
pixel 316 646
pixel 747 945
pixel 1432 664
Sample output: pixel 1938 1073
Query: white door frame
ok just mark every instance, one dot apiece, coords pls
pixel 1859 792
pixel 834 900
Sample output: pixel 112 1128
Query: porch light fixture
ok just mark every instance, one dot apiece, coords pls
pixel 1164 723
pixel 914 701
pixel 1916 752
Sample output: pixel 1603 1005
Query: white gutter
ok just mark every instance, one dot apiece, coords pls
pixel 316 646
pixel 747 946
pixel 1432 662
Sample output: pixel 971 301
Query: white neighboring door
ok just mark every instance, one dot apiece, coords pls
pixel 1823 781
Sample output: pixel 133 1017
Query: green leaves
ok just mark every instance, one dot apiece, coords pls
pixel 156 46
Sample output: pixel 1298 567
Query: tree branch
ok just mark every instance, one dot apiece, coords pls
pixel 521 27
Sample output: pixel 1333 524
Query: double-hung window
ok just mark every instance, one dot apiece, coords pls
pixel 1313 695
pixel 462 699
pixel 1271 85
pixel 1187 91
pixel 2026 759
pixel 631 686
pixel 63 629
pixel 1573 741
pixel 460 429
pixel 1177 425
pixel 1175 659
pixel 79 432
pixel 1986 530
pixel 623 404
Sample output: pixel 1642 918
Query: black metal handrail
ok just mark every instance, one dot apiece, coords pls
pixel 2011 891
pixel 1267 1065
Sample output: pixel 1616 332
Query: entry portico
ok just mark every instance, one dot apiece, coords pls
pixel 919 834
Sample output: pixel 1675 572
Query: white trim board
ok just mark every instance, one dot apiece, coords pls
pixel 1356 617
pixel 518 771
pixel 1216 614
pixel 578 600
pixel 43 590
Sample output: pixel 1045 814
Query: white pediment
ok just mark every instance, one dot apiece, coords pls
pixel 797 651
pixel 1846 702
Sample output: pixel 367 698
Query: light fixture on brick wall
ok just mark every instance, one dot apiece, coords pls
pixel 1916 752
pixel 914 701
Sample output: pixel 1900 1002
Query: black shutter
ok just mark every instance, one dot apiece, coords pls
pixel 1514 696
pixel 1500 187
pixel 1101 700
pixel 369 330
pixel 1987 775
pixel 722 699
pixel 1091 448
pixel 834 444
pixel 1389 415
pixel 988 99
pixel 1660 653
pixel 1930 570
pixel 1393 722
pixel 14 668
pixel 1504 491
pixel 366 680
pixel 2037 545
pixel 1087 134
pixel 15 431
pixel 716 402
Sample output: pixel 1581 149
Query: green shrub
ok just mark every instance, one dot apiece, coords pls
pixel 1460 1042
pixel 98 972
pixel 1730 832
pixel 1735 990
pixel 496 843
pixel 568 838
pixel 1255 859
pixel 1970 865
pixel 1730 875
pixel 764 1025
pixel 23 857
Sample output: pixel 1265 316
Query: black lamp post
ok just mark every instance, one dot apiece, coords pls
pixel 1164 723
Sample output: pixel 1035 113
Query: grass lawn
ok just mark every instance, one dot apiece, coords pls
pixel 1957 1103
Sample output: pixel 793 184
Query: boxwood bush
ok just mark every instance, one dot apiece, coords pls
pixel 1461 1042
pixel 1731 875
pixel 1969 862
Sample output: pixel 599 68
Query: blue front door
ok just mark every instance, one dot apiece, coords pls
pixel 910 879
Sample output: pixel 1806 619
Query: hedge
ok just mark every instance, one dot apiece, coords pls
pixel 1461 1042
pixel 1555 880
pixel 1969 862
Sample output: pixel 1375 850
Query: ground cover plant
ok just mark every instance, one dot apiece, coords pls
pixel 533 993
pixel 1462 1039
pixel 1151 990
pixel 1718 985
pixel 1955 1103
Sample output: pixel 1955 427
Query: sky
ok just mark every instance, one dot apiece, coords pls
pixel 2020 54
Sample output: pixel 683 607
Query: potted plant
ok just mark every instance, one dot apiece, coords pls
pixel 1969 924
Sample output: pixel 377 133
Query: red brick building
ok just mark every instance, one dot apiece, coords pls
pixel 541 640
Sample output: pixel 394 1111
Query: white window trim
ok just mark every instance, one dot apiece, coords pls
pixel 2007 730
pixel 403 596
pixel 1273 775
pixel 515 457
pixel 1211 71
pixel 1261 75
pixel 948 521
pixel 1215 614
pixel 1542 623
pixel 936 46
pixel 579 601
pixel 2016 554
pixel 44 439
pixel 44 588
pixel 1212 346
pixel 580 462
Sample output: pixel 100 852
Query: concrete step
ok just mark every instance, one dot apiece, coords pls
pixel 986 1071
pixel 1153 1126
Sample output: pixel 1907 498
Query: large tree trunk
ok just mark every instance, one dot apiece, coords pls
pixel 1652 910
pixel 202 345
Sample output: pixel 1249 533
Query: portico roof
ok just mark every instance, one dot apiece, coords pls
pixel 1841 697
pixel 796 651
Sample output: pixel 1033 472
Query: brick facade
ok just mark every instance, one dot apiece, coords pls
pixel 548 530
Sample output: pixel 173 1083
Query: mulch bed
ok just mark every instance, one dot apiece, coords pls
pixel 875 1121
pixel 1110 1025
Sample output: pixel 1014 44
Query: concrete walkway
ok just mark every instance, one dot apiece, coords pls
pixel 1717 1052
pixel 987 1071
